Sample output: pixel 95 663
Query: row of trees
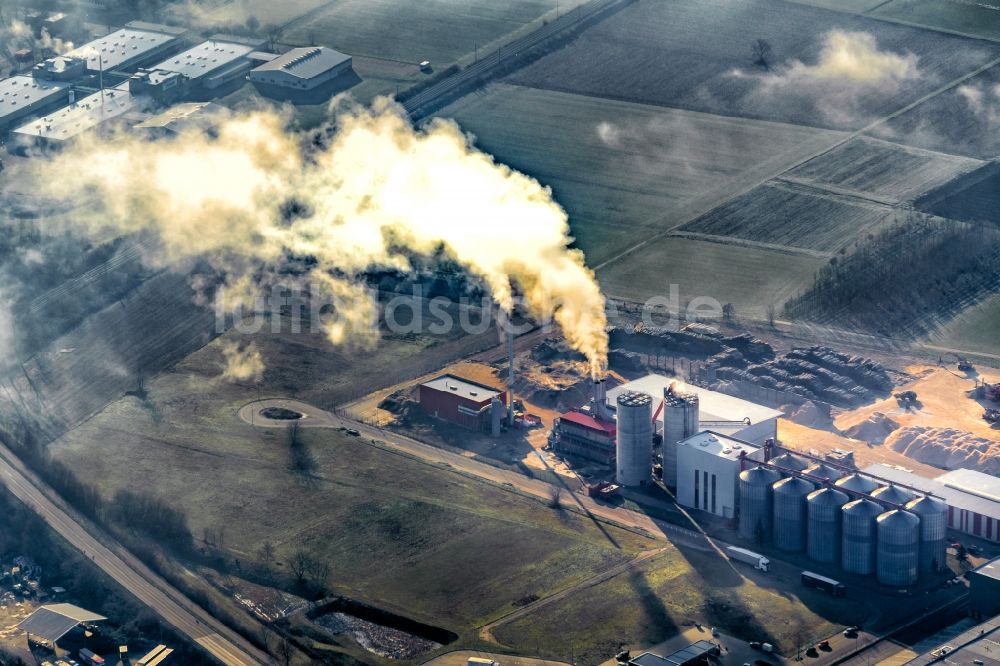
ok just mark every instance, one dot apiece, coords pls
pixel 906 278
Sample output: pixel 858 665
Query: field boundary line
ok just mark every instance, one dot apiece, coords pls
pixel 838 143
pixel 744 242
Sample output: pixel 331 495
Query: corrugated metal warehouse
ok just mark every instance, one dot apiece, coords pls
pixel 460 401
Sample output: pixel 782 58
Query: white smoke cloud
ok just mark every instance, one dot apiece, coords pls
pixel 376 194
pixel 982 101
pixel 850 73
pixel 242 363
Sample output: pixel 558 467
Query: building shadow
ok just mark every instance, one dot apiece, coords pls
pixel 318 95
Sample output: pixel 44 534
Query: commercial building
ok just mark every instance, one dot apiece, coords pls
pixel 976 646
pixel 708 471
pixel 302 68
pixel 201 116
pixel 973 497
pixel 585 434
pixel 125 49
pixel 24 96
pixel 210 64
pixel 463 402
pixel 984 588
pixel 69 122
pixel 160 87
pixel 49 624
pixel 60 68
pixel 719 412
pixel 696 653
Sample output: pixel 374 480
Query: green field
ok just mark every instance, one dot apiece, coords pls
pixel 650 604
pixel 429 543
pixel 973 330
pixel 751 278
pixel 623 170
pixel 981 19
pixel 896 173
pixel 792 215
pixel 840 5
pixel 442 31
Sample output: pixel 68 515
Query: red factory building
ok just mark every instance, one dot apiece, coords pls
pixel 583 434
pixel 461 401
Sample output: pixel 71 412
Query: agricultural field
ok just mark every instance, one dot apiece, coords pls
pixel 973 198
pixel 625 170
pixel 442 31
pixel 238 12
pixel 751 278
pixel 981 19
pixel 413 537
pixel 696 54
pixel 792 215
pixel 961 121
pixel 975 329
pixel 648 605
pixel 880 169
pixel 841 5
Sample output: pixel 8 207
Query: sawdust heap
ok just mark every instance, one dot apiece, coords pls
pixel 947 448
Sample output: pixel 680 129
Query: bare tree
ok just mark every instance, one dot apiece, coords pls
pixel 301 565
pixel 761 51
pixel 771 313
pixel 273 33
pixel 555 497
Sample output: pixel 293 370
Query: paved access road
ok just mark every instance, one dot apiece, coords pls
pixel 150 589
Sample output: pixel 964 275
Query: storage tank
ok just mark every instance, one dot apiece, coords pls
pixel 859 536
pixel 790 461
pixel 680 420
pixel 893 495
pixel 823 524
pixel 898 556
pixel 823 471
pixel 857 483
pixel 756 503
pixel 634 450
pixel 933 514
pixel 789 496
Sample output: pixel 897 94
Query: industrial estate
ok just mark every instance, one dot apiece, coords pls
pixel 521 333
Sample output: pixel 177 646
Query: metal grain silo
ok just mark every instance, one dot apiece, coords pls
pixel 893 495
pixel 789 496
pixel 823 471
pixel 857 483
pixel 756 503
pixel 898 556
pixel 634 450
pixel 790 461
pixel 681 420
pixel 859 536
pixel 823 524
pixel 933 514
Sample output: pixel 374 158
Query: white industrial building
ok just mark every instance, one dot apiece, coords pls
pixel 303 68
pixel 129 47
pixel 71 121
pixel 719 412
pixel 708 471
pixel 25 96
pixel 973 497
pixel 211 63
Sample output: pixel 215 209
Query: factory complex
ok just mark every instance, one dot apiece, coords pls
pixel 143 68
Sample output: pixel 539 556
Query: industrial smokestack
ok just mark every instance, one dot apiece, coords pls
pixel 510 376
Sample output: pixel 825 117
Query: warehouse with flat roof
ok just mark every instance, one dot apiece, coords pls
pixel 127 48
pixel 973 497
pixel 210 64
pixel 25 96
pixel 462 402
pixel 71 121
pixel 302 68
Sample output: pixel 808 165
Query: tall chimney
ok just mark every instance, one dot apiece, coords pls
pixel 510 374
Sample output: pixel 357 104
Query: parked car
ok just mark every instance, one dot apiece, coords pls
pixel 755 645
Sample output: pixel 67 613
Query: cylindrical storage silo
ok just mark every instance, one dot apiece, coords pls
pixel 898 548
pixel 857 483
pixel 789 496
pixel 823 471
pixel 634 449
pixel 756 505
pixel 859 536
pixel 679 411
pixel 823 524
pixel 790 461
pixel 893 496
pixel 933 514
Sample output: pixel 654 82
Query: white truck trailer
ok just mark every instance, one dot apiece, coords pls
pixel 757 560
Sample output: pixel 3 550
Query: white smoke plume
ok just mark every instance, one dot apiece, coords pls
pixel 242 363
pixel 982 101
pixel 377 192
pixel 850 74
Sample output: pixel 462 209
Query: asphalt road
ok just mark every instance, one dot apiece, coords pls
pixel 150 589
